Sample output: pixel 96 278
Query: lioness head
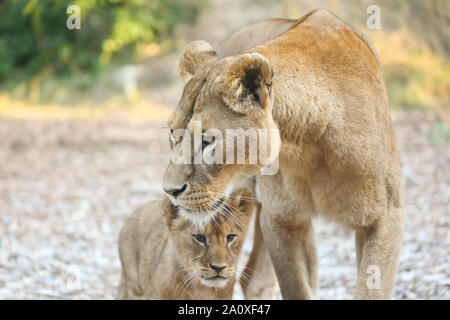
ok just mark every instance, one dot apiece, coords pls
pixel 222 130
pixel 211 253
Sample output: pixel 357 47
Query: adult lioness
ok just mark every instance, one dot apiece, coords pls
pixel 321 85
pixel 165 257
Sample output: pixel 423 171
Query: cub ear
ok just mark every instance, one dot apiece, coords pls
pixel 250 80
pixel 194 56
pixel 171 217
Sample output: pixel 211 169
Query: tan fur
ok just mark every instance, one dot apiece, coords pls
pixel 196 54
pixel 162 260
pixel 253 35
pixel 259 281
pixel 338 156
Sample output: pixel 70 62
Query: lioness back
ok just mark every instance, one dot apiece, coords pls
pixel 254 35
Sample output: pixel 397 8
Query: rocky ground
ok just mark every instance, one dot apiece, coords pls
pixel 66 188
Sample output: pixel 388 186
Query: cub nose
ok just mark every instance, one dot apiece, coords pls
pixel 175 191
pixel 217 268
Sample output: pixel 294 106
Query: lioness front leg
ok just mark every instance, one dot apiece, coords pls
pixel 258 280
pixel 294 255
pixel 377 253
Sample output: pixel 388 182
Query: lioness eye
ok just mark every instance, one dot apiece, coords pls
pixel 231 237
pixel 200 238
pixel 206 141
pixel 174 138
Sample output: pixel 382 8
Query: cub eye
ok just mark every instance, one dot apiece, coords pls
pixel 200 238
pixel 231 237
pixel 206 141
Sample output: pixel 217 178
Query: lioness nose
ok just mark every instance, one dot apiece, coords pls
pixel 217 268
pixel 175 192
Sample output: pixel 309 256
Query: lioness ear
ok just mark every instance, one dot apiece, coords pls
pixel 195 55
pixel 250 79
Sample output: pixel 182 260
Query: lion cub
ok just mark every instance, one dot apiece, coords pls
pixel 164 256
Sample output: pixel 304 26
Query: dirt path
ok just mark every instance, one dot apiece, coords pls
pixel 67 186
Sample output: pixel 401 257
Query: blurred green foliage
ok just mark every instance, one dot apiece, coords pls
pixel 34 38
pixel 440 133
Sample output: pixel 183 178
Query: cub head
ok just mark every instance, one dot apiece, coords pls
pixel 222 131
pixel 210 254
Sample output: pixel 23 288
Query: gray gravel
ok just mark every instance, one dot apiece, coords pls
pixel 66 188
